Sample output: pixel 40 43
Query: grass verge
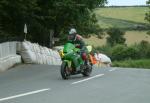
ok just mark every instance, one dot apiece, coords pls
pixel 143 63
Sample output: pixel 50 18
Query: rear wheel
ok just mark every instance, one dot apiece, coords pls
pixel 65 73
pixel 87 71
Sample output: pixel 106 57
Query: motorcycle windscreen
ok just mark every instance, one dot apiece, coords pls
pixel 68 47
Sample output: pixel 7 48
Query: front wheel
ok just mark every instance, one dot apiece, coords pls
pixel 88 70
pixel 64 71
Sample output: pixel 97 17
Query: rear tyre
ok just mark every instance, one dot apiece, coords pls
pixel 87 71
pixel 64 71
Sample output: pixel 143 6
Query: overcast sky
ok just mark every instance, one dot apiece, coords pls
pixel 126 2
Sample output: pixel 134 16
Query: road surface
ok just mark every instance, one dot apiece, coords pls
pixel 43 84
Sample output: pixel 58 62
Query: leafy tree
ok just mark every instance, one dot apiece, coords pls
pixel 0 27
pixel 147 17
pixel 115 36
pixel 14 14
pixel 41 16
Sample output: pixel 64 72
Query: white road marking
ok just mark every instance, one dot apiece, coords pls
pixel 113 69
pixel 24 94
pixel 99 75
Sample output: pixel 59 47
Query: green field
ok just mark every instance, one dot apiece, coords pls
pixel 121 17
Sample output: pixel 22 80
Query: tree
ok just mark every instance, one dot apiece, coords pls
pixel 41 16
pixel 14 15
pixel 115 36
pixel 0 27
pixel 147 17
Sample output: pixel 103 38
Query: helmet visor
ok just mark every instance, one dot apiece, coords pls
pixel 71 37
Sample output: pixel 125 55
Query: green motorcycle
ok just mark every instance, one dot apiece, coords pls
pixel 72 62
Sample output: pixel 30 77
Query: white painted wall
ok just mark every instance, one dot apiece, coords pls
pixel 8 56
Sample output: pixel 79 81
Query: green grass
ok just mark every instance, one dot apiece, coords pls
pixel 106 22
pixel 121 17
pixel 143 63
pixel 135 14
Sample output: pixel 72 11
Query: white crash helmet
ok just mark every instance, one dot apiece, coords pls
pixel 72 31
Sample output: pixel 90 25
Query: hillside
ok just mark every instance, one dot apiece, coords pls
pixel 132 37
pixel 121 17
pixel 128 18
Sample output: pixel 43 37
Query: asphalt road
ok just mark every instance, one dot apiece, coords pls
pixel 43 84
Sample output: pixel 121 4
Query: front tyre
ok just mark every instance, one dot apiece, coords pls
pixel 64 70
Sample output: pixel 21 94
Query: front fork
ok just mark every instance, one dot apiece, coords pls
pixel 69 67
